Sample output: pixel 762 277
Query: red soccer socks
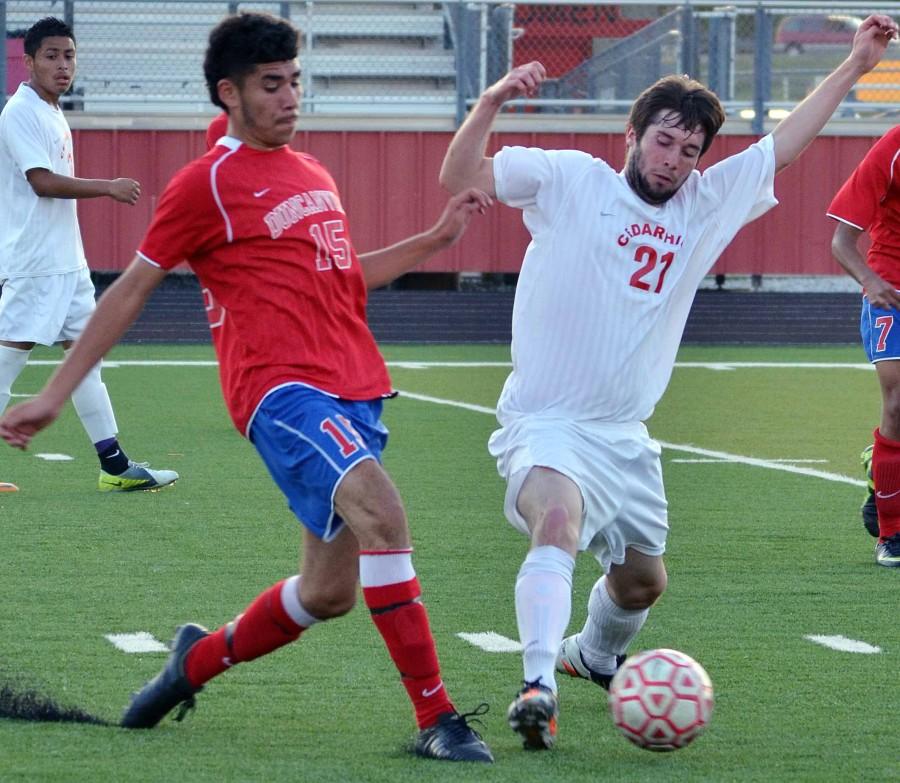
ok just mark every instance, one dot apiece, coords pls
pixel 263 627
pixel 886 473
pixel 391 591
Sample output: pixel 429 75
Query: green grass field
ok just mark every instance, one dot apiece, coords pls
pixel 759 557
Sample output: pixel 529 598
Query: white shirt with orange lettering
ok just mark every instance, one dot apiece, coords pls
pixel 39 236
pixel 608 280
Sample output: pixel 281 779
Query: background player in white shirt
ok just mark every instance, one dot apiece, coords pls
pixel 603 296
pixel 47 294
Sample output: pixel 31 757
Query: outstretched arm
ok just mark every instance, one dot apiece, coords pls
pixel 465 164
pixel 47 184
pixel 117 309
pixel 380 267
pixel 845 249
pixel 802 125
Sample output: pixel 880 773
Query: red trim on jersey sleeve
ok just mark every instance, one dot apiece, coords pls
pixel 858 200
pixel 187 217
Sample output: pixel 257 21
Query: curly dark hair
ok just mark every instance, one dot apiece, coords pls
pixel 241 42
pixel 696 106
pixel 48 27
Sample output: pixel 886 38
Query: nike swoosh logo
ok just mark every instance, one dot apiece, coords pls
pixel 258 193
pixel 885 496
pixel 426 692
pixel 116 453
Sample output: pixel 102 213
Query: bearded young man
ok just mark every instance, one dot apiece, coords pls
pixel 605 289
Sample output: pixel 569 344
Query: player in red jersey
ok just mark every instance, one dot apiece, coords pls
pixel 263 228
pixel 869 202
pixel 216 129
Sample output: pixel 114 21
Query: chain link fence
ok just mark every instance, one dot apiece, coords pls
pixel 402 57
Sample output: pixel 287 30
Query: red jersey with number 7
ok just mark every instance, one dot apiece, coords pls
pixel 267 237
pixel 870 201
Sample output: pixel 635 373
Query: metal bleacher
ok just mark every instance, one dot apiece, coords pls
pixel 356 57
pixel 365 57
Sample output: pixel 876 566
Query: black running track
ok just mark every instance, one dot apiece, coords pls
pixel 175 314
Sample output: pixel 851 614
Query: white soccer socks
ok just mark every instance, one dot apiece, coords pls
pixel 608 629
pixel 12 362
pixel 94 408
pixel 543 610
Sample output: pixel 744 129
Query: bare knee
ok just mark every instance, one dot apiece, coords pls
pixel 556 527
pixel 369 503
pixel 640 595
pixel 329 601
pixel 891 409
pixel 639 582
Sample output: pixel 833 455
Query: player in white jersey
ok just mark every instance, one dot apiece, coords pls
pixel 603 296
pixel 47 295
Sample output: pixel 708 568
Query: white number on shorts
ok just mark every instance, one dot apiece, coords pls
pixel 343 433
pixel 883 323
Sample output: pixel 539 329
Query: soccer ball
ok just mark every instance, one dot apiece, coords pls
pixel 661 699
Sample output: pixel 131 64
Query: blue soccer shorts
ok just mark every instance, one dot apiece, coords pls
pixel 880 332
pixel 309 441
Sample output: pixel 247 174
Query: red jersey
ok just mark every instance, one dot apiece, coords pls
pixel 266 235
pixel 870 200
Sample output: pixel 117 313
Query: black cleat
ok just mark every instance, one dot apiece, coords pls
pixel 569 661
pixel 533 715
pixel 452 739
pixel 868 509
pixel 887 551
pixel 169 688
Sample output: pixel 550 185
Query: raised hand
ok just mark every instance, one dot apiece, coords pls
pixel 871 40
pixel 524 81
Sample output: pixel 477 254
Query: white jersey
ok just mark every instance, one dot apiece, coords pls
pixel 38 236
pixel 608 280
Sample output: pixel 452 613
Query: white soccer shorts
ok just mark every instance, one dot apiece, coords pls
pixel 615 466
pixel 46 310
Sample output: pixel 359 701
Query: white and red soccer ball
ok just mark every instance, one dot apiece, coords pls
pixel 661 699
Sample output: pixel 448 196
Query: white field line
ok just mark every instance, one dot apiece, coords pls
pixel 843 644
pixel 50 457
pixel 713 461
pixel 139 642
pixel 489 641
pixel 134 363
pixel 494 642
pixel 685 447
pixel 426 365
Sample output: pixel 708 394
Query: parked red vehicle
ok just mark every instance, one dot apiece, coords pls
pixel 796 34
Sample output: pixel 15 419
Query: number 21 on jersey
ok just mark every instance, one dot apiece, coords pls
pixel 652 271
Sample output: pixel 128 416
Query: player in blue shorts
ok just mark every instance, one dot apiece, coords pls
pixel 264 229
pixel 868 202
pixel 300 429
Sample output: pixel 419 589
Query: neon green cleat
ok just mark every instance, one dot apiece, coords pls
pixel 868 509
pixel 139 477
